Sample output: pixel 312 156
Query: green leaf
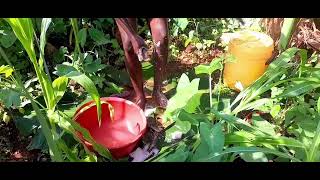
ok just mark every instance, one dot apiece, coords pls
pixel 258 139
pixel 185 90
pixel 263 125
pixel 275 110
pixel 180 155
pixel 94 66
pixel 213 137
pixel 182 23
pixel 38 142
pixel 63 69
pixel 10 98
pixel 313 153
pixel 193 103
pixel 26 124
pixel 308 126
pixel 299 89
pixel 209 69
pixel 23 29
pixel 183 82
pixel 98 36
pixel 59 86
pixel 89 86
pixel 98 147
pixel 7 70
pixel 194 119
pixel 255 104
pixel 7 39
pixel 212 141
pixel 82 36
pixel 44 27
pixel 179 126
pixel 249 149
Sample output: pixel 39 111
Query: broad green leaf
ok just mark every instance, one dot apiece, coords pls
pixel 7 70
pixel 7 39
pixel 59 86
pixel 202 151
pixel 214 137
pixel 179 127
pixel 182 23
pixel 23 29
pixel 89 86
pixel 26 124
pixel 38 142
pixel 308 125
pixel 193 103
pixel 98 36
pixel 183 82
pixel 94 66
pixel 180 155
pixel 185 90
pixel 299 89
pixel 63 69
pixel 10 98
pixel 194 119
pixel 212 141
pixel 209 69
pixel 82 36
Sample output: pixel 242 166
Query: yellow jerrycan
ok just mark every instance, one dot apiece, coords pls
pixel 250 51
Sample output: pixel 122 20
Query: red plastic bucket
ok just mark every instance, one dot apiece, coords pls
pixel 119 136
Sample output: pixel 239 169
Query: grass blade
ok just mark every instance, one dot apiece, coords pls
pixel 312 154
pixel 286 32
pixel 248 149
pixel 299 89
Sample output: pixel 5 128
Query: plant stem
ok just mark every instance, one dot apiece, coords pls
pixel 210 89
pixel 42 120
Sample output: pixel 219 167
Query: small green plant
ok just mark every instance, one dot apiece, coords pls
pixel 52 91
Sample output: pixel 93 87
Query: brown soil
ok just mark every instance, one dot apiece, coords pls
pixel 13 146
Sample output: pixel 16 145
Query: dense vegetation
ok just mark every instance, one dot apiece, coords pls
pixel 48 67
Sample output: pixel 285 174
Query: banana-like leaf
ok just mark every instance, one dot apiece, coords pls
pixel 89 86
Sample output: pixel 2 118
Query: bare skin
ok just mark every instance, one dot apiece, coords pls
pixel 136 50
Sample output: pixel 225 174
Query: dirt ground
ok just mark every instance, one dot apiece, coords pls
pixel 13 146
